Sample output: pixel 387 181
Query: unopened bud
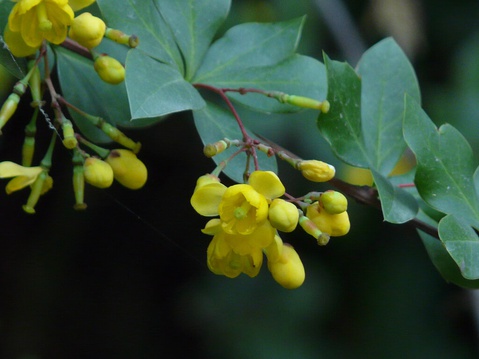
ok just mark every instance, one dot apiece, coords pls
pixel 283 215
pixel 122 38
pixel 316 171
pixel 333 202
pixel 109 69
pixel 288 271
pixel 8 109
pixel 78 181
pixel 212 149
pixel 127 168
pixel 335 225
pixel 98 173
pixel 87 30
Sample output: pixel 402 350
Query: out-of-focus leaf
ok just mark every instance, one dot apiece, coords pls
pixel 446 165
pixel 386 75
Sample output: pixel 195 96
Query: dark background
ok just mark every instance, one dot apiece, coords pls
pixel 127 277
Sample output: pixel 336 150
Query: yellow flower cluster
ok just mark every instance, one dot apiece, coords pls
pixel 250 216
pixel 32 21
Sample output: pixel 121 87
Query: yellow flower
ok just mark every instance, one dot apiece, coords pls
pixel 80 4
pixel 22 176
pixel 16 44
pixel 245 206
pixel 335 225
pixel 38 20
pixel 233 254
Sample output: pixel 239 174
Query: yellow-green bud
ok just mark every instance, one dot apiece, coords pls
pixel 288 270
pixel 312 229
pixel 69 139
pixel 335 225
pixel 316 171
pixel 127 168
pixel 334 202
pixel 98 173
pixel 8 109
pixel 283 215
pixel 109 69
pixel 87 30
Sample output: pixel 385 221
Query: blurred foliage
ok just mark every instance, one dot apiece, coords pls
pixel 127 278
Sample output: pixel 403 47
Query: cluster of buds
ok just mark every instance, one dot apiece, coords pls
pixel 91 164
pixel 56 20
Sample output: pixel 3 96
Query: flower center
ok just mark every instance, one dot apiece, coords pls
pixel 242 211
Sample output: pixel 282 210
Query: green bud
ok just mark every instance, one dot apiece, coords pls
pixel 109 69
pixel 333 202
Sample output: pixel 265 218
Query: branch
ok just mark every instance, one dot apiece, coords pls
pixel 362 194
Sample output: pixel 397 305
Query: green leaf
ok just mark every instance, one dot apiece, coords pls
pixel 215 123
pixel 386 75
pixel 445 165
pixel 102 99
pixel 398 205
pixel 165 90
pixel 194 24
pixel 441 259
pixel 341 126
pixel 249 45
pixel 143 19
pixel 462 243
pixel 298 75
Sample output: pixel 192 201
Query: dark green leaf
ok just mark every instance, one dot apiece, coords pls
pixel 462 243
pixel 143 19
pixel 442 260
pixel 157 89
pixel 249 45
pixel 446 165
pixel 386 75
pixel 215 123
pixel 298 75
pixel 194 24
pixel 398 205
pixel 341 126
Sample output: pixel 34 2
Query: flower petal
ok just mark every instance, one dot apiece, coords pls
pixel 206 199
pixel 19 183
pixel 11 169
pixel 267 183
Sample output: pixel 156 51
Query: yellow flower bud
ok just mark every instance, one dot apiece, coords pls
pixel 8 109
pixel 127 168
pixel 283 215
pixel 316 171
pixel 87 30
pixel 334 202
pixel 98 173
pixel 335 225
pixel 288 270
pixel 109 69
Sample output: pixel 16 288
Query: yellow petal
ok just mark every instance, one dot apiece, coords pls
pixel 16 44
pixel 267 183
pixel 206 199
pixel 212 227
pixel 11 169
pixel 18 183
